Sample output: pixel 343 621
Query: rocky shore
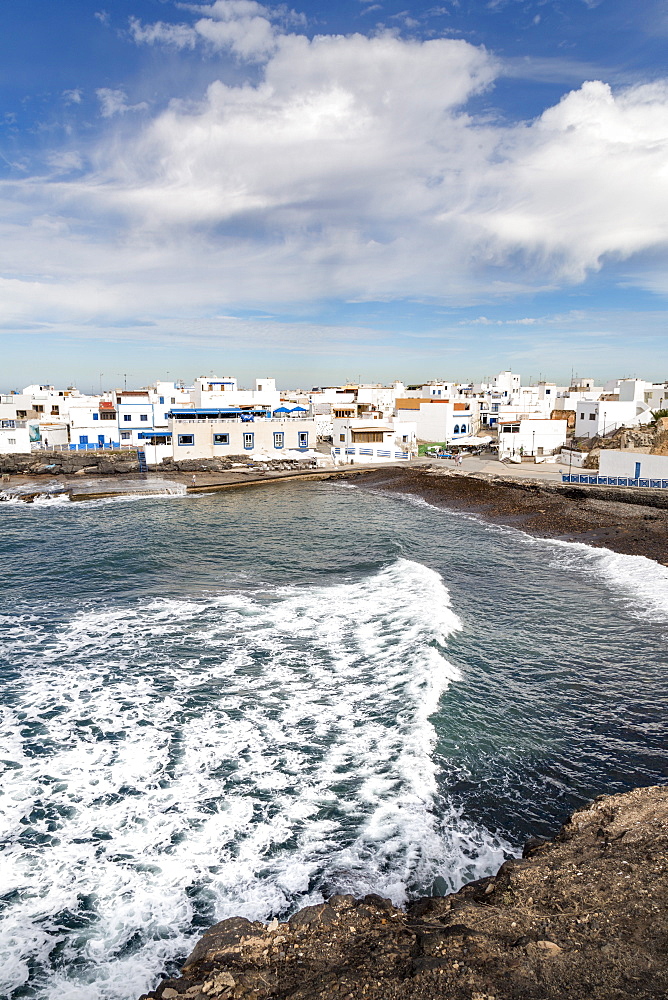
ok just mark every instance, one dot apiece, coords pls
pixel 582 916
pixel 633 522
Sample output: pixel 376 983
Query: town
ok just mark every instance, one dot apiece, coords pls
pixel 615 429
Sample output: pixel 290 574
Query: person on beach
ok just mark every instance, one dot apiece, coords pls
pixel 194 479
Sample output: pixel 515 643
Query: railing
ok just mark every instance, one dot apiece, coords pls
pixel 90 446
pixel 596 480
pixel 178 421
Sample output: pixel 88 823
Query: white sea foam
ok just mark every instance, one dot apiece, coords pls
pixel 236 754
pixel 640 583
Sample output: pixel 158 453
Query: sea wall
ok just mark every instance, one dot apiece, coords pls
pixel 58 463
pixel 582 916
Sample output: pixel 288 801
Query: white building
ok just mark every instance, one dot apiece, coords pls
pixel 597 418
pixel 211 393
pixel 531 437
pixel 14 437
pixel 373 437
pixel 441 421
pixel 254 432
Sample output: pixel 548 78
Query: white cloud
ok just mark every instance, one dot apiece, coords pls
pixel 115 102
pixel 344 167
pixel 72 96
pixel 180 36
pixel 66 160
pixel 585 182
pixel 244 27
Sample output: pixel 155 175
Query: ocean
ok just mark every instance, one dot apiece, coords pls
pixel 240 703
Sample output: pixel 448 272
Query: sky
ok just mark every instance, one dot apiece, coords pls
pixel 332 192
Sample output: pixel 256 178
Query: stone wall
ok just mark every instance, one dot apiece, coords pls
pixel 58 463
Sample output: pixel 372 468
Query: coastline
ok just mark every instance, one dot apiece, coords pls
pixel 582 915
pixel 623 521
pixel 627 526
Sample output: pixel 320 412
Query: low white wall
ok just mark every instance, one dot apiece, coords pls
pixel 623 463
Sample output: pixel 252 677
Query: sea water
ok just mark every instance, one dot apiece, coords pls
pixel 244 702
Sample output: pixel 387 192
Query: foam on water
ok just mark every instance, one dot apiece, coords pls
pixel 640 583
pixel 176 762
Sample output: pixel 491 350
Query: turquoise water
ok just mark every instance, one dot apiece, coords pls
pixel 240 703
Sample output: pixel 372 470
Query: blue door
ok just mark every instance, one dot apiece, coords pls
pixel 100 440
pixel 637 472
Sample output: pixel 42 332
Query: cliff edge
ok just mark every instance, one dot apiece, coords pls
pixel 584 915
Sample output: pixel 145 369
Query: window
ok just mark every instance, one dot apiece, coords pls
pixel 342 437
pixel 456 431
pixel 367 437
pixel 107 415
pixel 279 439
pixel 173 399
pixel 592 416
pixel 166 416
pixel 11 440
pixel 143 417
pixel 463 428
pixel 187 439
pixel 55 410
pixel 221 438
pixel 547 392
pixel 303 439
pixel 96 416
pixel 127 417
pixel 162 400
pixel 249 439
pixel 38 409
pixel 125 435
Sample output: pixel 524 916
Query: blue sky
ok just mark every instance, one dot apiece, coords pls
pixel 329 192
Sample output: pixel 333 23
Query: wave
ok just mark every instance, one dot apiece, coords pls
pixel 640 583
pixel 183 761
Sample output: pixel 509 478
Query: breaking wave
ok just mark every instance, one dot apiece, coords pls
pixel 175 762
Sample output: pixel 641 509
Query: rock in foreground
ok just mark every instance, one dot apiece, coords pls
pixel 584 915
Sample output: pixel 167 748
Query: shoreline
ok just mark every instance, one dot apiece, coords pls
pixel 581 915
pixel 626 526
pixel 625 522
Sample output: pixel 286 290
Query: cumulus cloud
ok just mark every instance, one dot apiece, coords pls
pixel 243 26
pixel 344 167
pixel 586 181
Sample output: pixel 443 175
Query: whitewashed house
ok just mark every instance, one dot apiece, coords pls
pixel 14 432
pixel 531 437
pixel 253 431
pixel 373 437
pixel 596 418
pixel 443 421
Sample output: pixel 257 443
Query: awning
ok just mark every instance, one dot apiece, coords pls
pixel 152 434
pixel 472 442
pixel 282 409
